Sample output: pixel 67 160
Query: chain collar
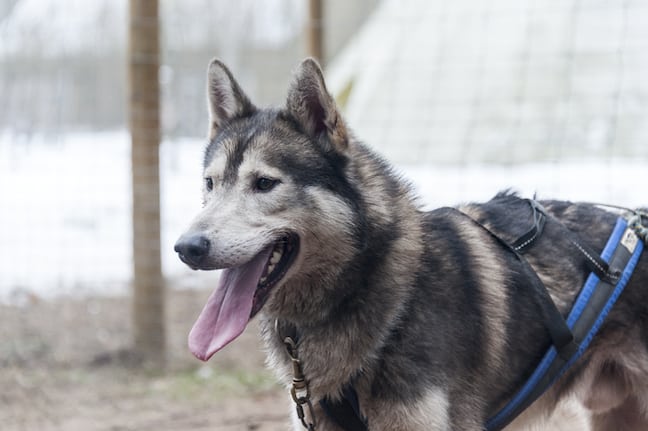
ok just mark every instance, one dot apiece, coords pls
pixel 299 390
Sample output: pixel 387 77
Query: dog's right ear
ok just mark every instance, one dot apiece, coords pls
pixel 225 97
pixel 314 108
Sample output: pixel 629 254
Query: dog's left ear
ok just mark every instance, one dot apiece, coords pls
pixel 225 98
pixel 313 107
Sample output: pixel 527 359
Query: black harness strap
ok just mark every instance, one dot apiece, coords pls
pixel 560 334
pixel 594 262
pixel 346 412
pixel 528 239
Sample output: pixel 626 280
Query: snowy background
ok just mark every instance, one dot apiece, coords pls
pixel 65 218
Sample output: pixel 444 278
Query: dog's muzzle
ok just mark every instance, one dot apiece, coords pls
pixel 192 249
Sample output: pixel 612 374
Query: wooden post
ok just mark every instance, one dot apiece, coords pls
pixel 316 31
pixel 148 284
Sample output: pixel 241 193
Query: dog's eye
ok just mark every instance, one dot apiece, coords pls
pixel 209 184
pixel 265 184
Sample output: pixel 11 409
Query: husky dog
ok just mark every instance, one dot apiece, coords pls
pixel 425 314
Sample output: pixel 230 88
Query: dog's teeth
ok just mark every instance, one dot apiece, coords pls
pixel 263 280
pixel 271 268
pixel 276 257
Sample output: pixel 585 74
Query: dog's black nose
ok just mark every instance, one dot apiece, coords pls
pixel 192 248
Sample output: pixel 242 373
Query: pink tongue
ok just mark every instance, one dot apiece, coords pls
pixel 228 309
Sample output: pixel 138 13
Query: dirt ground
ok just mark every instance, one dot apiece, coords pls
pixel 65 364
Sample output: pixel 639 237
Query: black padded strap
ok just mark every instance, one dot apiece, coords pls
pixel 593 261
pixel 346 412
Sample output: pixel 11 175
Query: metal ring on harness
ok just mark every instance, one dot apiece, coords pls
pixel 635 222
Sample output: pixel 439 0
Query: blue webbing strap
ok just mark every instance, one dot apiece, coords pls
pixel 590 309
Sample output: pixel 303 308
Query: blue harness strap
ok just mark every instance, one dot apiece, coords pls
pixel 594 302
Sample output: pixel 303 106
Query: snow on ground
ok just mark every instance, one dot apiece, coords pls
pixel 65 211
pixel 65 205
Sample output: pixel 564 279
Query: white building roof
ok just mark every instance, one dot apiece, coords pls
pixel 499 81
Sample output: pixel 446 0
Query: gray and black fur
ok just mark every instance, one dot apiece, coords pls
pixel 429 317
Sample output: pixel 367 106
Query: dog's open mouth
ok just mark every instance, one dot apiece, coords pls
pixel 283 255
pixel 241 293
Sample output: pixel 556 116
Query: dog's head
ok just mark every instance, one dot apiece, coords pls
pixel 274 193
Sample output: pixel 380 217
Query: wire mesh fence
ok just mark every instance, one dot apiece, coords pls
pixel 499 81
pixel 440 84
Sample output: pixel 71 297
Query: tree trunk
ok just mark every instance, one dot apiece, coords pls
pixel 148 284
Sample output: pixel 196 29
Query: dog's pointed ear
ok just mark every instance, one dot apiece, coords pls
pixel 225 97
pixel 310 103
